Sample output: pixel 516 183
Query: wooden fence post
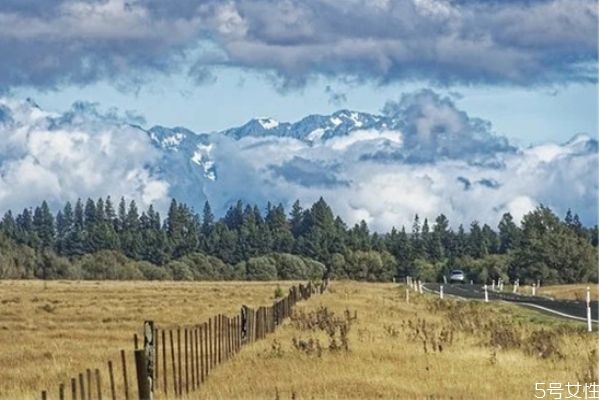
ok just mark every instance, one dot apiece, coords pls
pixel 111 377
pixel 239 334
pixel 173 364
pixel 150 352
pixel 73 389
pixel 185 354
pixel 89 383
pixel 164 361
pixel 156 372
pixel 206 349
pixel 98 385
pixel 81 387
pixel 143 380
pixel 125 383
pixel 201 339
pixel 179 369
pixel 194 334
pixel 220 338
pixel 61 391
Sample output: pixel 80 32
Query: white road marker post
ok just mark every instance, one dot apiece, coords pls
pixel 407 295
pixel 493 284
pixel 420 287
pixel 533 289
pixel 589 309
pixel 485 292
pixel 441 291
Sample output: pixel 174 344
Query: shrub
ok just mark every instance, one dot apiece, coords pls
pixel 261 269
pixel 290 266
pixel 180 271
pixel 108 264
pixel 153 272
pixel 314 269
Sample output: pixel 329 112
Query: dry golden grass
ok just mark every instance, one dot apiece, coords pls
pixel 48 333
pixel 383 363
pixel 571 292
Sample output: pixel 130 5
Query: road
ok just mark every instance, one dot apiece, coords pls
pixel 566 308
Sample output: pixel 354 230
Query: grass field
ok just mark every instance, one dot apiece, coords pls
pixel 427 349
pixel 50 331
pixel 571 292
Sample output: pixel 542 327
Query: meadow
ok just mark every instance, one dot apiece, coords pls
pixel 356 341
pixel 570 292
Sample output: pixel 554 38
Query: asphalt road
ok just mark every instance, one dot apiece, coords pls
pixel 566 308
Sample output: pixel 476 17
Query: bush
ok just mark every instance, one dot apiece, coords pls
pixel 261 269
pixel 314 269
pixel 290 266
pixel 108 264
pixel 180 271
pixel 425 271
pixel 152 272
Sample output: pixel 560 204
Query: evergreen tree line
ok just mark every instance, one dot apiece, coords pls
pixel 96 240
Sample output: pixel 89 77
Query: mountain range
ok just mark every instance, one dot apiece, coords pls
pixel 419 155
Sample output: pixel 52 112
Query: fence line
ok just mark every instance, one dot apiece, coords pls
pixel 206 345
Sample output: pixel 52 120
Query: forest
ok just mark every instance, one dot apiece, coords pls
pixel 98 240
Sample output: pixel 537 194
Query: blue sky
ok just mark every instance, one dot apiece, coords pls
pixel 528 67
pixel 525 115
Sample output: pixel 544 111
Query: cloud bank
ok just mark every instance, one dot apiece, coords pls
pixel 422 156
pixel 46 44
pixel 81 153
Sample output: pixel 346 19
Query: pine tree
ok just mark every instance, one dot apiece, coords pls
pixel 9 225
pixel 43 225
pixel 509 234
pixel 208 219
pixel 297 219
pixel 416 241
pixel 122 216
pixel 281 235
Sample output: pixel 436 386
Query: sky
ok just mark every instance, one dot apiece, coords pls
pixel 529 69
pixel 525 115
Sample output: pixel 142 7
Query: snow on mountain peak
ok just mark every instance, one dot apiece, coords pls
pixel 268 123
pixel 201 157
pixel 336 121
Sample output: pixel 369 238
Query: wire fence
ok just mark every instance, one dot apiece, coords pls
pixel 177 361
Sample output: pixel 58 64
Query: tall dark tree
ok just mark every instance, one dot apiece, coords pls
pixel 208 219
pixel 297 219
pixel 508 233
pixel 43 225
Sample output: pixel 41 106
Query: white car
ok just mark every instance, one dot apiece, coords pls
pixel 457 276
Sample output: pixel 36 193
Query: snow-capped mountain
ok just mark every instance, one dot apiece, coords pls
pixel 311 129
pixel 423 156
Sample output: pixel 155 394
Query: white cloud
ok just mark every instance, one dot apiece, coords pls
pixel 364 175
pixel 44 157
pixel 387 194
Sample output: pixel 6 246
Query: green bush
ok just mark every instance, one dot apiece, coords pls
pixel 290 267
pixel 153 272
pixel 180 271
pixel 261 269
pixel 109 265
